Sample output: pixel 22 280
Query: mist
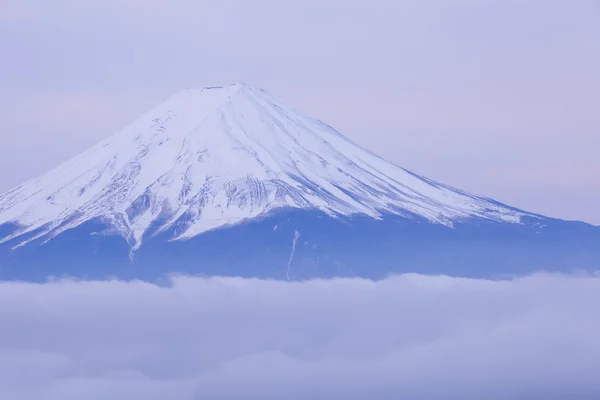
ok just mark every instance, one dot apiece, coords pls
pixel 409 336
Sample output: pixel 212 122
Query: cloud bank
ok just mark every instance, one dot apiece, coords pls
pixel 409 336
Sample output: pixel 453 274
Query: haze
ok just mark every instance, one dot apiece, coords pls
pixel 410 336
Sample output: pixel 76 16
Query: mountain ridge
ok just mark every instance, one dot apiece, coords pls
pixel 229 181
pixel 218 156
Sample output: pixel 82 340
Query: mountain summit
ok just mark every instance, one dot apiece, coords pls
pixel 218 157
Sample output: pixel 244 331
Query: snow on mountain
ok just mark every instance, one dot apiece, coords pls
pixel 217 156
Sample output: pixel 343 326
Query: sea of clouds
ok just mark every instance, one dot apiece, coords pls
pixel 410 336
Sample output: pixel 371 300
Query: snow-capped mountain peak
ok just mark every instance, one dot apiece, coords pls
pixel 217 156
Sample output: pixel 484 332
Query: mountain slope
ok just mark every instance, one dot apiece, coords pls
pixel 228 180
pixel 222 155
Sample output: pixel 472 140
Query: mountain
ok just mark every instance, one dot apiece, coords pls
pixel 230 181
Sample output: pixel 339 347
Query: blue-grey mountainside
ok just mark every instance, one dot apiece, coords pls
pixel 230 181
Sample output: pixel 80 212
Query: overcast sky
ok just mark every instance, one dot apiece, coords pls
pixel 496 97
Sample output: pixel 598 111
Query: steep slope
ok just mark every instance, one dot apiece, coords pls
pixel 230 181
pixel 212 157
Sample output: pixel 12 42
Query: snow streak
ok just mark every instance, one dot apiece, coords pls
pixel 289 266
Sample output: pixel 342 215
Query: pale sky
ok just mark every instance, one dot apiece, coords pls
pixel 499 97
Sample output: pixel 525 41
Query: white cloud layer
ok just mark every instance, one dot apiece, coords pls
pixel 409 337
